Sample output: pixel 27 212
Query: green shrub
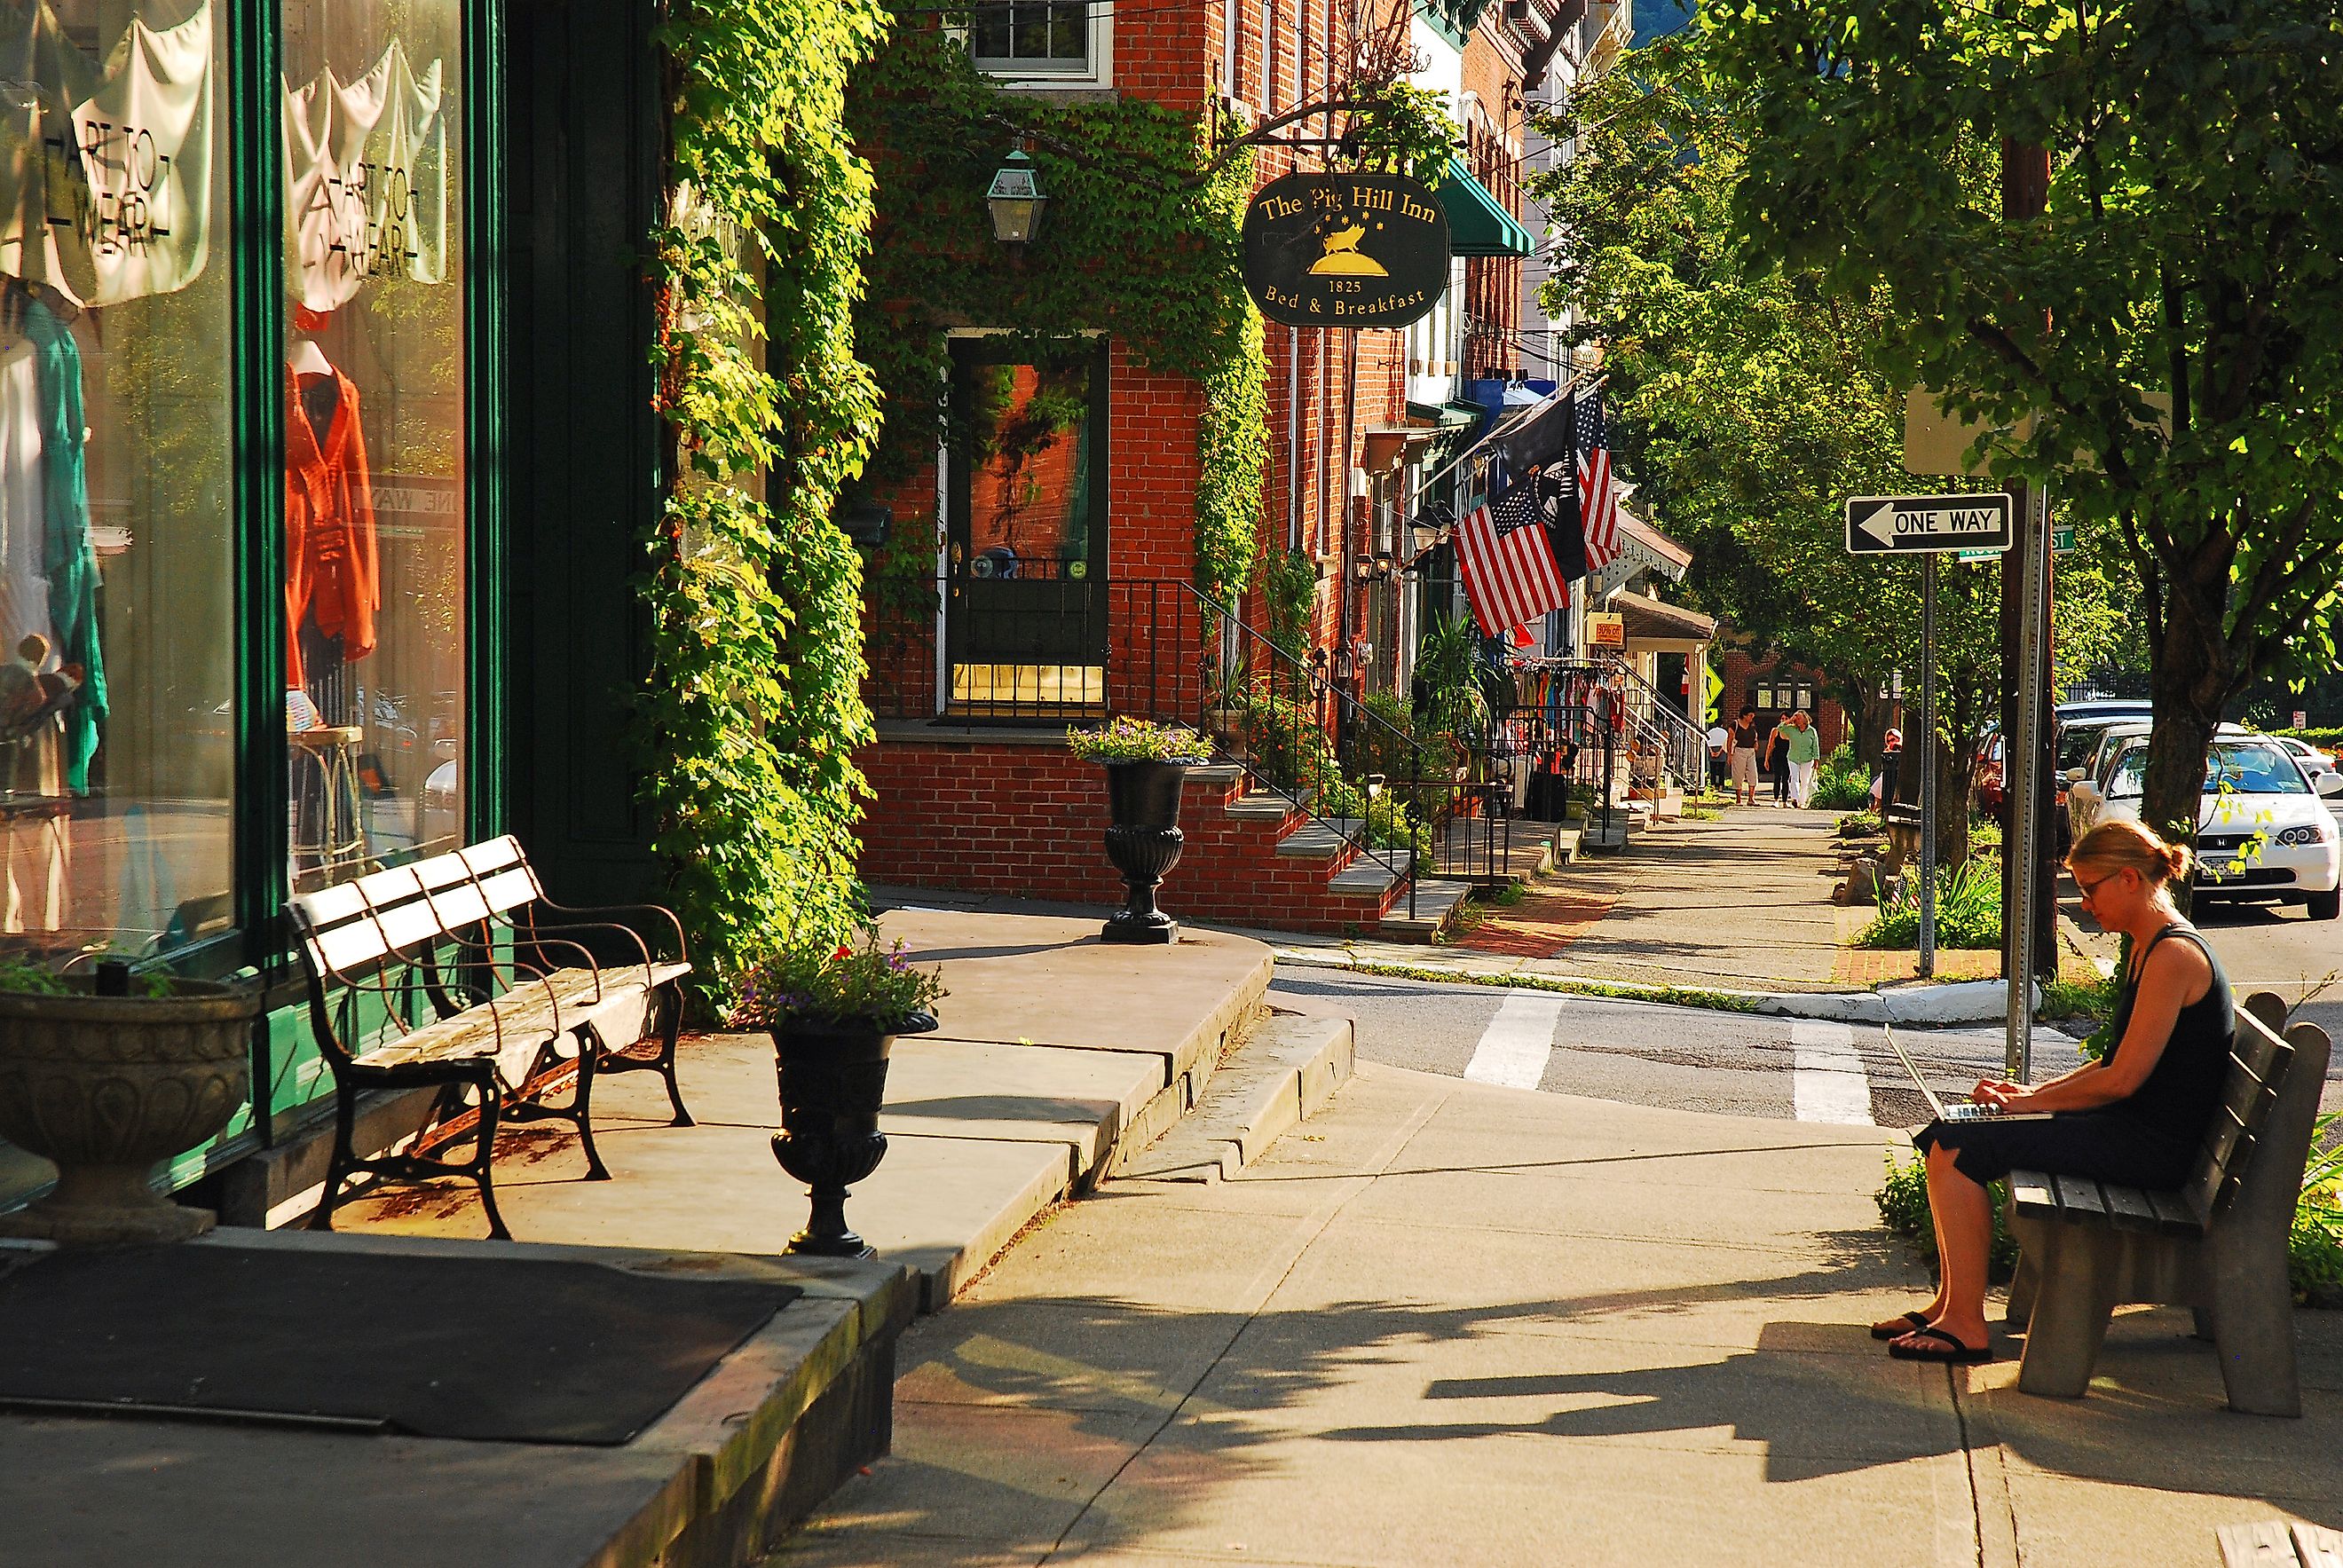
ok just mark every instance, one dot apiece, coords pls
pixel 1903 1200
pixel 1841 781
pixel 1289 748
pixel 1390 826
pixel 1859 824
pixel 2315 1247
pixel 1968 910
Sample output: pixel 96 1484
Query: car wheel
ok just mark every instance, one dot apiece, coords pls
pixel 2324 906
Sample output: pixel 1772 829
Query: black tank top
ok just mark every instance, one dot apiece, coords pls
pixel 2185 1086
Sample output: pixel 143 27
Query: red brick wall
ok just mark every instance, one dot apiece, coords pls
pixel 1742 676
pixel 1030 821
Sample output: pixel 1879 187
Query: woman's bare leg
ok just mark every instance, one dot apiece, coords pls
pixel 1901 1324
pixel 1964 1238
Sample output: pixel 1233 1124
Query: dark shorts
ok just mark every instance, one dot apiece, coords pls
pixel 2106 1145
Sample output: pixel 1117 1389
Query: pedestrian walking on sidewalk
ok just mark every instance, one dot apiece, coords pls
pixel 1744 744
pixel 1891 767
pixel 2134 1118
pixel 1777 762
pixel 1806 752
pixel 1718 745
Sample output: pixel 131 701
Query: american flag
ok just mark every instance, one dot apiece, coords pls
pixel 1598 501
pixel 1510 575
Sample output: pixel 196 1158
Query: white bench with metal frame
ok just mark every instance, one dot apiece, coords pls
pixel 2218 1246
pixel 443 974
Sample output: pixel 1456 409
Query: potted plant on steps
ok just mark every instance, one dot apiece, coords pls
pixel 109 1074
pixel 1146 765
pixel 834 1011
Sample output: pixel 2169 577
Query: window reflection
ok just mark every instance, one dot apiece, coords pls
pixel 374 412
pixel 115 594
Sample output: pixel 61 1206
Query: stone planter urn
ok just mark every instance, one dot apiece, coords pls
pixel 1143 841
pixel 108 1087
pixel 832 1076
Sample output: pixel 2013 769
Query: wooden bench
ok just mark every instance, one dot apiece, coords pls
pixel 2218 1246
pixel 457 972
pixel 2275 1545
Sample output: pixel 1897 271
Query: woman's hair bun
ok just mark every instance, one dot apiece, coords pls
pixel 2120 842
pixel 2176 861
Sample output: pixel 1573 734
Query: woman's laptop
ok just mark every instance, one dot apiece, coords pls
pixel 1968 1109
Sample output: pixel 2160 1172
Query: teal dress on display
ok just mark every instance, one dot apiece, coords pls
pixel 68 559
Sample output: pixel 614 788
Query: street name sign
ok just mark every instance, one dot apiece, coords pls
pixel 1897 524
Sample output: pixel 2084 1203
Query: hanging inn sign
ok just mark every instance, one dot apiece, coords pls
pixel 1345 250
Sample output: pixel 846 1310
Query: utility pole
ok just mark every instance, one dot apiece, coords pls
pixel 2029 926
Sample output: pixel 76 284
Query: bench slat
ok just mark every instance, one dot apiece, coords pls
pixel 2174 1216
pixel 2129 1208
pixel 2030 1193
pixel 2266 1543
pixel 2318 1546
pixel 2079 1197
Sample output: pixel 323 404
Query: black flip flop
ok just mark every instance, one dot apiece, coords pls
pixel 1952 1349
pixel 1918 1319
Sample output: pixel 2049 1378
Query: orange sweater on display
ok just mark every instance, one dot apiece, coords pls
pixel 333 574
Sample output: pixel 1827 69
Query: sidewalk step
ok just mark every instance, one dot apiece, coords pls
pixel 1285 1069
pixel 1313 842
pixel 1218 775
pixel 1369 876
pixel 1436 900
pixel 1565 845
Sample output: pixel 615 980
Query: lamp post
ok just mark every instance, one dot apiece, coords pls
pixel 1015 201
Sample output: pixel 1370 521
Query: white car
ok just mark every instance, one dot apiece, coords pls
pixel 2086 784
pixel 2314 761
pixel 2264 834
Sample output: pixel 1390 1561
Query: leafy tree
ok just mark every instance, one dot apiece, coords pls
pixel 1752 399
pixel 2165 345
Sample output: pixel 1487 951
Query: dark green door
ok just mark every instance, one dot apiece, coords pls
pixel 1025 617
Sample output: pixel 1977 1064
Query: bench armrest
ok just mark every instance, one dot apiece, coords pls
pixel 588 916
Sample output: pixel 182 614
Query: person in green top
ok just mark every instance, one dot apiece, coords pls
pixel 1805 750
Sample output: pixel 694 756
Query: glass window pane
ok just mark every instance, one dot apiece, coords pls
pixel 1026 432
pixel 116 641
pixel 374 414
pixel 1067 28
pixel 991 40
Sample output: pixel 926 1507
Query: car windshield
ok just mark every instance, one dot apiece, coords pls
pixel 2251 769
pixel 2075 746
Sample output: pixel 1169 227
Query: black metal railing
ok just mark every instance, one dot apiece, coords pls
pixel 1057 650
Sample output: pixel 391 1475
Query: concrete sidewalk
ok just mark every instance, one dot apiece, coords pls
pixel 1444 1322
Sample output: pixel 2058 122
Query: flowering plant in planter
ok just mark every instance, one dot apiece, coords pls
pixel 870 984
pixel 1128 740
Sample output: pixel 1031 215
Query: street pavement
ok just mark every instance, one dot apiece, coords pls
pixel 1444 1322
pixel 1645 1053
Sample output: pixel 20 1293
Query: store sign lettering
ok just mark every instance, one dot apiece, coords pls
pixel 373 240
pixel 127 207
pixel 1345 250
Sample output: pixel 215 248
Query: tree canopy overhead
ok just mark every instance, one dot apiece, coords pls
pixel 2191 258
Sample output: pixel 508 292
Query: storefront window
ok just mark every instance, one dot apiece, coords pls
pixel 117 642
pixel 374 433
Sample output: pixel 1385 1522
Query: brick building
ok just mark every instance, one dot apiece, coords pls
pixel 1064 579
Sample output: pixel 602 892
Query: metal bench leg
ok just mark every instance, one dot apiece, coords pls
pixel 2253 1324
pixel 582 1101
pixel 342 1159
pixel 484 1164
pixel 670 1005
pixel 2077 1297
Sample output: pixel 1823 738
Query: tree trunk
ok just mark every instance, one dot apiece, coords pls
pixel 2193 678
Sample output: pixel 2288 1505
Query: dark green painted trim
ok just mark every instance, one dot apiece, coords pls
pixel 256 329
pixel 488 679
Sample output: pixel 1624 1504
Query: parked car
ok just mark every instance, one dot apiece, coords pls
pixel 2264 835
pixel 2314 761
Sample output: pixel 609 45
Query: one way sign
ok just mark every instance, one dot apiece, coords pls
pixel 1879 525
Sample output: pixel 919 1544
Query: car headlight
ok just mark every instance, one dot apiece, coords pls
pixel 2310 833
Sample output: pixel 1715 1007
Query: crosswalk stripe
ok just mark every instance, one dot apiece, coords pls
pixel 1827 1082
pixel 1515 1046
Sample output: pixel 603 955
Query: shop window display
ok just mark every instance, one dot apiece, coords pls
pixel 374 434
pixel 117 598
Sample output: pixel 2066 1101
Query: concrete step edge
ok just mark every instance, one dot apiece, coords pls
pixel 1286 1068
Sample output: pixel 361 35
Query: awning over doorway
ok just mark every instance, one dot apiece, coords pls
pixel 1649 621
pixel 1477 224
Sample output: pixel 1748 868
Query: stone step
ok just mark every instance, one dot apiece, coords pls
pixel 1436 902
pixel 1215 775
pixel 1369 876
pixel 1314 841
pixel 1261 805
pixel 1566 844
pixel 1283 1070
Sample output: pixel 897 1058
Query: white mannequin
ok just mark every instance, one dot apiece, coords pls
pixel 308 358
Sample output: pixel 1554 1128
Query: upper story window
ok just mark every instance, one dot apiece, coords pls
pixel 1042 42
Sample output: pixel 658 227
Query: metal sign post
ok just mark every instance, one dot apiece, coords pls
pixel 1928 765
pixel 2021 781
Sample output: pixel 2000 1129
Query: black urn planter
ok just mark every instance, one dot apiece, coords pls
pixel 1143 841
pixel 833 1075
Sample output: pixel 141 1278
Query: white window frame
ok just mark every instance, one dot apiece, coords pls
pixel 1098 72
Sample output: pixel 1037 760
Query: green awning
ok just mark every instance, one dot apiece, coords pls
pixel 1477 224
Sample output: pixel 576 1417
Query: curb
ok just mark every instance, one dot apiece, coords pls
pixel 1287 1068
pixel 1929 1006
